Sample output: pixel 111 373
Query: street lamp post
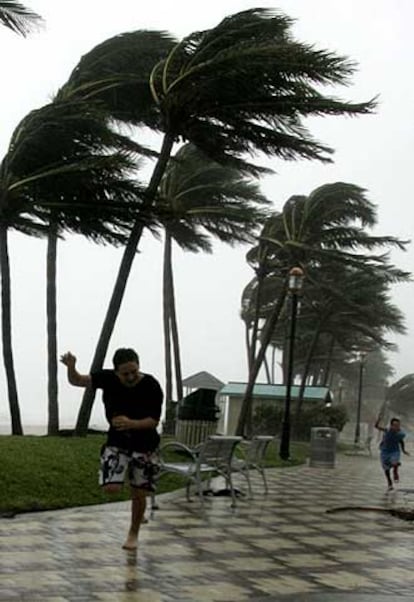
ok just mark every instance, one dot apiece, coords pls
pixel 362 356
pixel 294 288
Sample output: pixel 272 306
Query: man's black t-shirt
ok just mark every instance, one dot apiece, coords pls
pixel 141 401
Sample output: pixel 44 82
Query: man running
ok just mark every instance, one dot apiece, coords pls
pixel 133 402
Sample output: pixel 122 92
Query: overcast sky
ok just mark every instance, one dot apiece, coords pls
pixel 374 152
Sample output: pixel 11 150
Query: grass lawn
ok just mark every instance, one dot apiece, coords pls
pixel 44 473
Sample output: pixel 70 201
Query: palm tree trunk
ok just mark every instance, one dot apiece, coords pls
pixel 315 376
pixel 273 363
pixel 166 305
pixel 327 367
pixel 52 366
pixel 258 302
pixel 285 351
pixel 305 374
pixel 7 334
pixel 174 334
pixel 284 319
pixel 248 343
pixel 266 365
pixel 244 423
pixel 120 285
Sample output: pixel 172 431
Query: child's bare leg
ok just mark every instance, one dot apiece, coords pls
pixel 138 505
pixel 388 477
pixel 395 473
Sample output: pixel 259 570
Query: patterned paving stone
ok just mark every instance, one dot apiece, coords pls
pixel 284 547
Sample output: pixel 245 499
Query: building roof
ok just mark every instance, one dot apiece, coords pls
pixel 266 391
pixel 203 380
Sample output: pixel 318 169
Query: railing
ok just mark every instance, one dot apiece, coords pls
pixel 193 432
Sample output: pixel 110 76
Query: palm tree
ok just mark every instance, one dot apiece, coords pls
pixel 199 198
pixel 64 170
pixel 266 286
pixel 328 224
pixel 21 20
pixel 18 18
pixel 239 88
pixel 348 308
pixel 399 397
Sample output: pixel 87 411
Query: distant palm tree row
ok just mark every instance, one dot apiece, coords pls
pixel 346 303
pixel 217 98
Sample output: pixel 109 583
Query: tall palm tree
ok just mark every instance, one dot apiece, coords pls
pixel 239 88
pixel 18 18
pixel 201 198
pixel 266 286
pixel 64 170
pixel 328 224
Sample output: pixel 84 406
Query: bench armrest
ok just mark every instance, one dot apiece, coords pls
pixel 172 446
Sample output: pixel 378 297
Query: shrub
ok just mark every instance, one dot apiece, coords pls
pixel 334 417
pixel 267 419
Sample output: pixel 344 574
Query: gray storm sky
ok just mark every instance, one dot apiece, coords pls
pixel 374 152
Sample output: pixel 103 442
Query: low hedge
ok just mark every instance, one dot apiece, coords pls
pixel 268 419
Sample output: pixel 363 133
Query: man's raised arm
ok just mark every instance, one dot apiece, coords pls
pixel 76 379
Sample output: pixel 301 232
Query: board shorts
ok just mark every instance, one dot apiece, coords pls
pixel 117 465
pixel 389 459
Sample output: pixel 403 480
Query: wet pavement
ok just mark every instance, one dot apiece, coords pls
pixel 282 547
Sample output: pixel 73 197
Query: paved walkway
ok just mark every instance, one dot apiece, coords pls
pixel 280 548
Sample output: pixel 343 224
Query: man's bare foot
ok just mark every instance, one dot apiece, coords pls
pixel 131 542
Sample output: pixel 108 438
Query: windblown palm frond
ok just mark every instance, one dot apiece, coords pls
pixel 201 196
pixel 64 161
pixel 330 222
pixel 238 88
pixel 245 85
pixel 116 73
pixel 18 18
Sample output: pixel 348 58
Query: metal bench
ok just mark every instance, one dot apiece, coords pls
pixel 253 455
pixel 213 457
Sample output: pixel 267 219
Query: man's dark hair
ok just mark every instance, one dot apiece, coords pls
pixel 123 356
pixel 394 420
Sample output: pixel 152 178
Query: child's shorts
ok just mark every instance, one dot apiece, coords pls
pixel 139 468
pixel 389 459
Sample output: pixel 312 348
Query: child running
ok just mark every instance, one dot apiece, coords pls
pixel 392 442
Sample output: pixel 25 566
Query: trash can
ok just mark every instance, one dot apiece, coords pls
pixel 323 447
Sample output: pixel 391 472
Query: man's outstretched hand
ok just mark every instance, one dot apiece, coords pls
pixel 68 359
